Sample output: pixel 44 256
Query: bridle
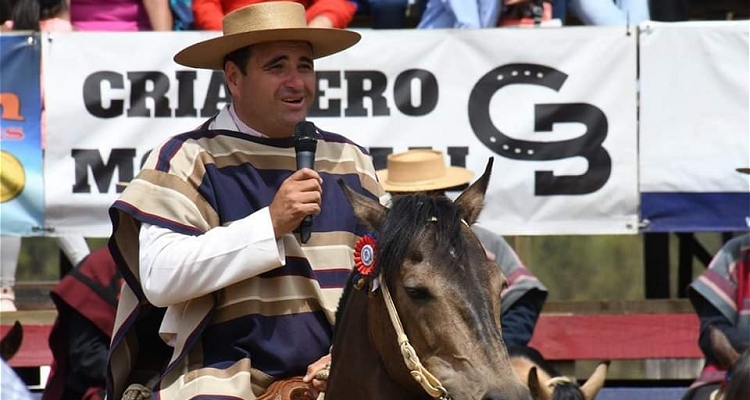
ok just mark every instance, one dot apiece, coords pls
pixel 427 380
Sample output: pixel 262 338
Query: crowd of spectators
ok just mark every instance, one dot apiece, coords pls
pixel 162 15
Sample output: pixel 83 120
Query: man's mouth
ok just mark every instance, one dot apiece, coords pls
pixel 293 100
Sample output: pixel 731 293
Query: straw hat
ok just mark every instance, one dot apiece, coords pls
pixel 421 171
pixel 264 22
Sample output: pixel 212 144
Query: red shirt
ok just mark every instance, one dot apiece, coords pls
pixel 208 13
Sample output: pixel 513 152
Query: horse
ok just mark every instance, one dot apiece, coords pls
pixel 546 383
pixel 737 382
pixel 420 315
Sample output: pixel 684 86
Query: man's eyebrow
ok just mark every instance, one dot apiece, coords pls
pixel 284 57
pixel 275 60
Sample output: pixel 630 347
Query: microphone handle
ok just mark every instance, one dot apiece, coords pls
pixel 305 159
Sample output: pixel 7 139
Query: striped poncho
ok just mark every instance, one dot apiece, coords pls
pixel 235 341
pixel 726 286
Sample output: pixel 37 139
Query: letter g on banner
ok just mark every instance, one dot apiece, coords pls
pixel 588 145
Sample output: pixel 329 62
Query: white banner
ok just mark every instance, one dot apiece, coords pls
pixel 695 125
pixel 555 107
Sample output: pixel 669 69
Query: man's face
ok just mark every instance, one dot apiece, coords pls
pixel 277 90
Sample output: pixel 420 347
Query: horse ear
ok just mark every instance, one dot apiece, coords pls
pixel 538 391
pixel 596 381
pixel 369 212
pixel 471 201
pixel 10 344
pixel 725 354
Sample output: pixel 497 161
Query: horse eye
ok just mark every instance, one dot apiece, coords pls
pixel 418 293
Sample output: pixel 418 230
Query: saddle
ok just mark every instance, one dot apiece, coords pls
pixel 287 389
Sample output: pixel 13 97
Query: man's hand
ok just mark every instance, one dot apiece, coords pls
pixel 298 196
pixel 315 371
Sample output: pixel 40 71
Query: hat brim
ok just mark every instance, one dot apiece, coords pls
pixel 209 54
pixel 454 176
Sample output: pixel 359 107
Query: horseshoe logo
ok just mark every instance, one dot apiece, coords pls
pixel 588 145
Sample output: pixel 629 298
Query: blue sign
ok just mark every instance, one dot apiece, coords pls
pixel 21 179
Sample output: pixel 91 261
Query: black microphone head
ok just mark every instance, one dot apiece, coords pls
pixel 305 134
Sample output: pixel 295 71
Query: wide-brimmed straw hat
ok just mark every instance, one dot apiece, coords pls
pixel 264 22
pixel 421 171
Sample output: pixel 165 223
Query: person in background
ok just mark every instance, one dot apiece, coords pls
pixel 391 14
pixel 86 302
pixel 11 385
pixel 721 298
pixel 425 171
pixel 121 15
pixel 604 12
pixel 460 14
pixel 48 16
pixel 320 13
pixel 39 15
pixel 223 297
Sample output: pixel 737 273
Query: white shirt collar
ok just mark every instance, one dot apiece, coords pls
pixel 228 119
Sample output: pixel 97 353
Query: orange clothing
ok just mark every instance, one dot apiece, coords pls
pixel 208 13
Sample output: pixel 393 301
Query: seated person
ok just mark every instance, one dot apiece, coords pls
pixel 208 14
pixel 721 298
pixel 425 171
pixel 11 385
pixel 86 301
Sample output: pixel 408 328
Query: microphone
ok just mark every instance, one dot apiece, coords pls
pixel 305 144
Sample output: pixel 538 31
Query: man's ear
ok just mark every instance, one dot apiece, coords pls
pixel 231 73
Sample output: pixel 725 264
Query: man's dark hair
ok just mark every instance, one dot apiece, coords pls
pixel 239 58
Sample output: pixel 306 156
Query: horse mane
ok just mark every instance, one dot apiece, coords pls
pixel 407 217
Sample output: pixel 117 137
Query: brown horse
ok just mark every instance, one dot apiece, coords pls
pixel 737 365
pixel 444 299
pixel 546 383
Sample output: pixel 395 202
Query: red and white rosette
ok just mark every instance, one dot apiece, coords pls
pixel 364 255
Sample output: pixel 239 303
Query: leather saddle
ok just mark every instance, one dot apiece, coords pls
pixel 287 389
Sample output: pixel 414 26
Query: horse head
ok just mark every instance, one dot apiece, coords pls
pixel 546 383
pixel 446 298
pixel 737 365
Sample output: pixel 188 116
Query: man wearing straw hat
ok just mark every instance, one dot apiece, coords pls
pixel 425 171
pixel 222 298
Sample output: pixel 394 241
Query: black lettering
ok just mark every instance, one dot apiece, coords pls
pixel 356 92
pixel 186 94
pixel 333 80
pixel 217 93
pixel 139 93
pixel 402 92
pixel 588 146
pixel 122 159
pixel 458 156
pixel 380 156
pixel 93 96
